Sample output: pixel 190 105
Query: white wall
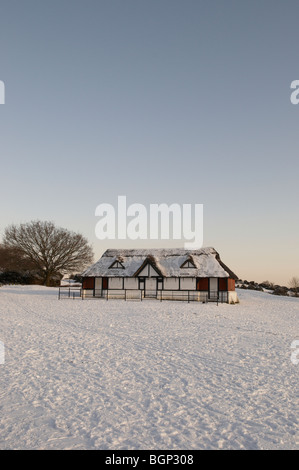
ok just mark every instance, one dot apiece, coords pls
pixel 171 283
pixel 188 283
pixel 131 283
pixel 115 283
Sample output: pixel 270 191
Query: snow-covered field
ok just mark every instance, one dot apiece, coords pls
pixel 94 374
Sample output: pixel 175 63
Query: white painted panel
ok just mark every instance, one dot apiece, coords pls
pixel 144 272
pixel 131 282
pixel 115 283
pixel 188 283
pixel 171 283
pixel 152 271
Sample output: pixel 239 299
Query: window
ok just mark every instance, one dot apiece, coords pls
pixel 188 264
pixel 117 265
pixel 159 283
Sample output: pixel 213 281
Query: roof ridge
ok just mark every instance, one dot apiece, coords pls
pixel 151 251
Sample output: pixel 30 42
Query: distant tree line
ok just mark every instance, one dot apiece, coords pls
pixel 38 252
pixel 275 289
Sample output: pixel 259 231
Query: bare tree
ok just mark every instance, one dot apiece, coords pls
pixel 12 259
pixel 50 249
pixel 294 285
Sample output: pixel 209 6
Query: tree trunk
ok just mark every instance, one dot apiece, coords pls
pixel 47 279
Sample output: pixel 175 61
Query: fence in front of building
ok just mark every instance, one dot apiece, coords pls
pixel 143 294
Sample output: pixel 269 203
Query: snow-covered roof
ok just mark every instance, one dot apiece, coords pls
pixel 167 263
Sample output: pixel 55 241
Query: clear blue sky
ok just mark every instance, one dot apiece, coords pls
pixel 183 101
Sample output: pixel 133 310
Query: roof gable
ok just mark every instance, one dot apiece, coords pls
pixel 148 269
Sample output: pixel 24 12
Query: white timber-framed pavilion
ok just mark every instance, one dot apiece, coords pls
pixel 164 274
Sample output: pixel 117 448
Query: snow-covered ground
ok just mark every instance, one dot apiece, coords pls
pixel 94 374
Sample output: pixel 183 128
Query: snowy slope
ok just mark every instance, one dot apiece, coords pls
pixel 147 375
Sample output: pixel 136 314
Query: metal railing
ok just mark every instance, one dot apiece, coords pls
pixel 66 292
pixel 124 294
pixel 161 295
pixel 217 296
